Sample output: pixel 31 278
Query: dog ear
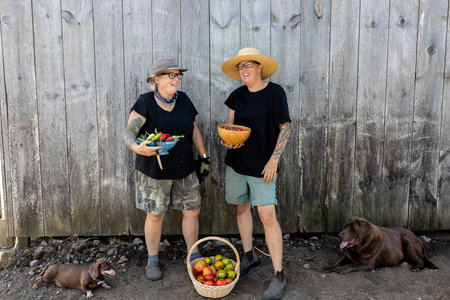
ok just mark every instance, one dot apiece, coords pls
pixel 95 269
pixel 101 260
pixel 364 228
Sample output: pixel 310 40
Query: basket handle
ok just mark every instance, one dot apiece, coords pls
pixel 209 238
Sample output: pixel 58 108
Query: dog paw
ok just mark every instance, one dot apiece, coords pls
pixel 89 294
pixel 105 286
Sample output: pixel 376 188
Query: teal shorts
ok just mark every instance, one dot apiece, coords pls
pixel 242 189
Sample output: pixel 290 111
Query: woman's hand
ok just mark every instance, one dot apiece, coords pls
pixel 145 150
pixel 231 146
pixel 270 170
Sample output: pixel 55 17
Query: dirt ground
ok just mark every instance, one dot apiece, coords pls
pixel 304 256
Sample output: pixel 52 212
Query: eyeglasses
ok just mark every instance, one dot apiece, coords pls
pixel 173 75
pixel 247 65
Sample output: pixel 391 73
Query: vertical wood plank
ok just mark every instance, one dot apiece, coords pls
pixel 109 78
pixel 138 57
pixel 255 32
pixel 314 76
pixel 224 44
pixel 342 111
pixel 79 73
pixel 195 57
pixel 285 26
pixel 6 223
pixel 443 205
pixel 373 43
pixel 52 118
pixel 427 114
pixel 167 43
pixel 166 29
pixel 255 24
pixel 399 112
pixel 22 118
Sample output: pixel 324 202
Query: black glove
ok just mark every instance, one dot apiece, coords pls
pixel 202 168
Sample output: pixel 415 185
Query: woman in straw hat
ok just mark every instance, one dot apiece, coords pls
pixel 252 168
pixel 174 185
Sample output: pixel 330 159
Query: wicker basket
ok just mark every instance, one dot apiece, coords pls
pixel 233 137
pixel 207 290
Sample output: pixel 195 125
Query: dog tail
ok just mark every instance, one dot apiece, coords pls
pixel 39 279
pixel 429 263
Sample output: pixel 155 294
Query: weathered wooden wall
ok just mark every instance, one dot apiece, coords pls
pixel 368 86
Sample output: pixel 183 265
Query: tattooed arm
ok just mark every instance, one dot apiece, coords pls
pixel 270 169
pixel 198 140
pixel 135 122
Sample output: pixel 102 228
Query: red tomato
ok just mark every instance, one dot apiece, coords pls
pixel 220 282
pixel 209 277
pixel 209 282
pixel 207 271
pixel 228 281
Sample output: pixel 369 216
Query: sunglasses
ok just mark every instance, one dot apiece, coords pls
pixel 246 65
pixel 173 75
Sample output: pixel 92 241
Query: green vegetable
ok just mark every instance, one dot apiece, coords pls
pixel 177 137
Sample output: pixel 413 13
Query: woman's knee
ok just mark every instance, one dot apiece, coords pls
pixel 267 215
pixel 191 213
pixel 152 218
pixel 242 209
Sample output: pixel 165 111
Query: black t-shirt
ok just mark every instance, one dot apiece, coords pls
pixel 179 163
pixel 263 111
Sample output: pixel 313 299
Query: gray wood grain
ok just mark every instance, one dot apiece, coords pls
pixel 109 79
pixel 196 83
pixel 373 44
pixel 22 118
pixel 427 114
pixel 399 112
pixel 224 44
pixel 81 107
pixel 342 112
pixel 166 29
pixel 443 205
pixel 314 77
pixel 138 60
pixel 52 118
pixel 285 25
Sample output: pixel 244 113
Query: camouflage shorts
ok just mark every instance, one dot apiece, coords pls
pixel 155 196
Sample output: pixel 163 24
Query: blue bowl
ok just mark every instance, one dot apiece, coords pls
pixel 166 146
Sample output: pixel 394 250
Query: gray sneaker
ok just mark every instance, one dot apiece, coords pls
pixel 152 271
pixel 275 289
pixel 246 265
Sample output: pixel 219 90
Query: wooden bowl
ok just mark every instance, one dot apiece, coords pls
pixel 231 135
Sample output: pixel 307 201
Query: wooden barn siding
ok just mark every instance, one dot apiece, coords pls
pixel 367 84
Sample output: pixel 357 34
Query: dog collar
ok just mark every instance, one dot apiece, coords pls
pixel 99 282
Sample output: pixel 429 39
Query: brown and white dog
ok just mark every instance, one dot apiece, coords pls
pixel 368 247
pixel 78 277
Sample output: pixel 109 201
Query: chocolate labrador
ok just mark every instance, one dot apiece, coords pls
pixel 368 247
pixel 78 277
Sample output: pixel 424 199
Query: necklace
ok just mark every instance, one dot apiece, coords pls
pixel 169 101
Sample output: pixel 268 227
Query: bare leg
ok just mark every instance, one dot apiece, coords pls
pixel 153 230
pixel 190 227
pixel 245 225
pixel 274 238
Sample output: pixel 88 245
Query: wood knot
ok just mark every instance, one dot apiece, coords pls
pixel 402 21
pixel 430 50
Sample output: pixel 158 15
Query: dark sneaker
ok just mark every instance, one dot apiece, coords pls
pixel 246 265
pixel 275 289
pixel 152 271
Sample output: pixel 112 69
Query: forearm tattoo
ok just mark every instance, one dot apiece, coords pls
pixel 282 140
pixel 130 133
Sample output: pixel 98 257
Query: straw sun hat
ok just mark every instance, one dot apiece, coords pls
pixel 162 65
pixel 269 65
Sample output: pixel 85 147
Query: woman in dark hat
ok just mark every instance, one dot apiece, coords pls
pixel 173 182
pixel 252 168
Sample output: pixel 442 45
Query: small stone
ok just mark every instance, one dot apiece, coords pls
pixel 306 266
pixel 122 260
pixel 287 236
pixel 234 240
pixel 34 263
pixel 220 243
pixel 314 238
pixel 165 243
pixel 44 244
pixel 75 262
pixel 39 249
pixel 31 273
pixel 137 241
pixel 425 239
pixel 141 248
pixel 404 264
pixel 96 242
pixel 311 248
